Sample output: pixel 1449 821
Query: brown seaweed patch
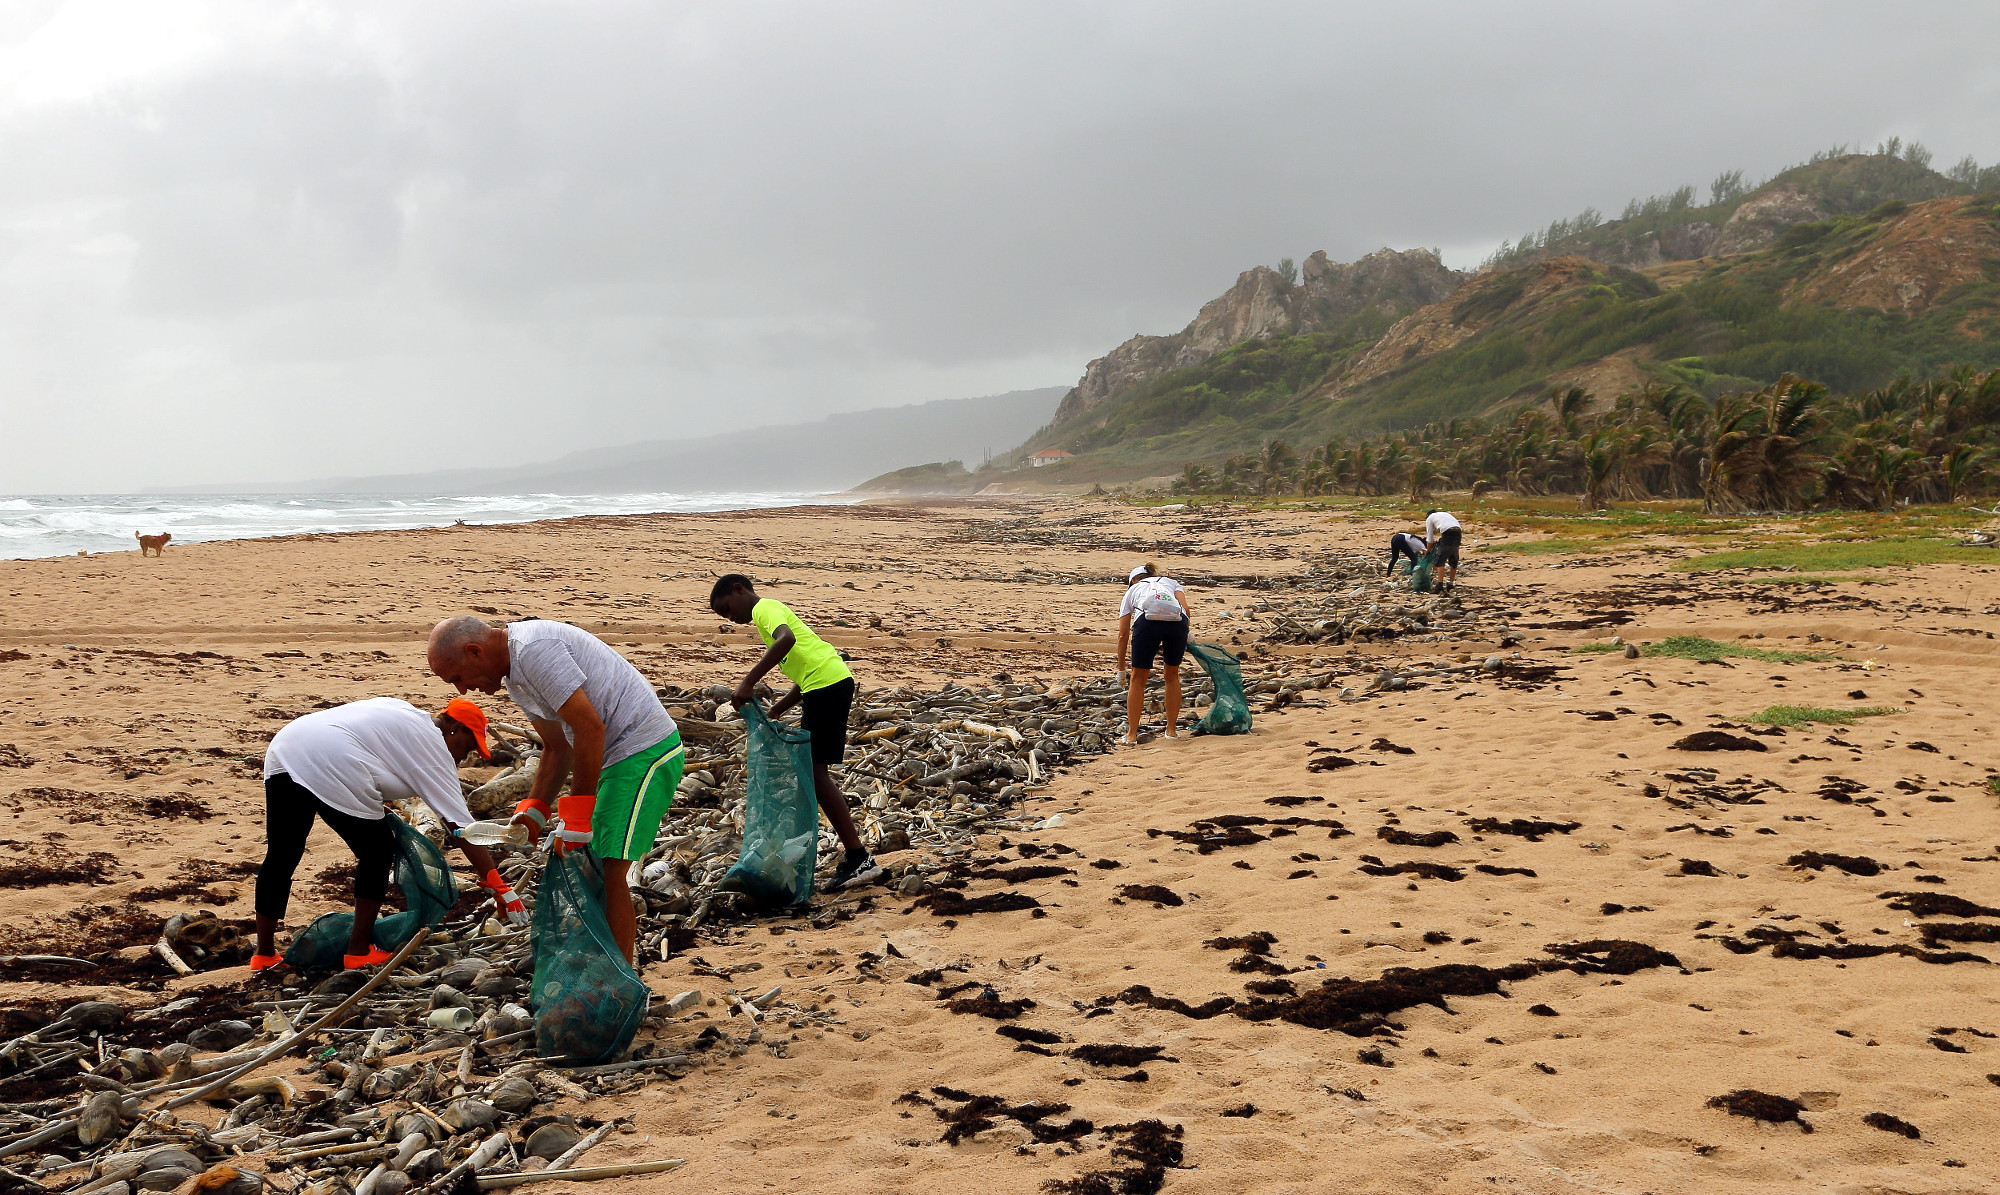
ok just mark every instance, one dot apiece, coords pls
pixel 1859 865
pixel 1698 867
pixel 1520 827
pixel 1020 875
pixel 1936 904
pixel 1428 871
pixel 1023 1033
pixel 1970 931
pixel 1397 837
pixel 1142 995
pixel 1491 870
pixel 1761 1105
pixel 1891 1124
pixel 1716 740
pixel 1149 1143
pixel 1119 1055
pixel 1608 956
pixel 193 877
pixel 989 1004
pixel 1360 1007
pixel 1259 942
pixel 947 903
pixel 53 867
pixel 980 1112
pixel 1151 892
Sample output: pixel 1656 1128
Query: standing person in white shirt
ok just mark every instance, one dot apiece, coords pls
pixel 1152 620
pixel 343 765
pixel 1444 533
pixel 603 728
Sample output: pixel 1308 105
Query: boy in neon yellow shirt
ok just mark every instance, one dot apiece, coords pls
pixel 823 688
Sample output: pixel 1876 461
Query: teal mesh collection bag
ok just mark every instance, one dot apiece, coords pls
pixel 1423 575
pixel 780 815
pixel 429 892
pixel 1230 713
pixel 587 1001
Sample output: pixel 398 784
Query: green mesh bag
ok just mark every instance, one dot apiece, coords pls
pixel 587 1001
pixel 1423 575
pixel 429 892
pixel 1230 713
pixel 780 815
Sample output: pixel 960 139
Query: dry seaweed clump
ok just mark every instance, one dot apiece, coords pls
pixel 1149 1143
pixel 1396 837
pixel 1428 871
pixel 980 1112
pixel 1360 1007
pixel 1120 1055
pixel 53 867
pixel 1891 1124
pixel 1520 827
pixel 1155 893
pixel 1761 1105
pixel 1936 904
pixel 1860 865
pixel 947 903
pixel 1608 956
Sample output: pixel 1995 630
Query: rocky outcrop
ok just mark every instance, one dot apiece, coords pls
pixel 1327 296
pixel 1921 254
pixel 1473 309
pixel 1760 219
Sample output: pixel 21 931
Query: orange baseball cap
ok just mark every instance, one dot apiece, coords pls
pixel 473 718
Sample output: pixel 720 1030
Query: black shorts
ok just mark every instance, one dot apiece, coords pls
pixel 1152 637
pixel 1445 551
pixel 823 714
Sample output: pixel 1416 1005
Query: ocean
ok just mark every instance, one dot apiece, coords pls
pixel 63 525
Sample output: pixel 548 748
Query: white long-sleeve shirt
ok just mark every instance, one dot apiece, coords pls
pixel 356 757
pixel 1438 524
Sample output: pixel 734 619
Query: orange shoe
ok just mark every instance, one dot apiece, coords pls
pixel 375 957
pixel 259 962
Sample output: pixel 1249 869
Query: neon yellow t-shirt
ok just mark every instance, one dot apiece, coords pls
pixel 812 663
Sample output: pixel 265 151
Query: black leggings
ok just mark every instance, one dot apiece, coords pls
pixel 289 809
pixel 1399 547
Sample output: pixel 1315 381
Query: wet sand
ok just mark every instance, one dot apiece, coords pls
pixel 133 691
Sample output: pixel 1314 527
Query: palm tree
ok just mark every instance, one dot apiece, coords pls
pixel 1569 406
pixel 1600 461
pixel 1965 465
pixel 1423 475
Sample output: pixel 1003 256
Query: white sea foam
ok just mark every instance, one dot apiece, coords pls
pixel 62 525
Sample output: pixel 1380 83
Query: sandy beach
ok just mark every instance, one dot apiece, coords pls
pixel 133 691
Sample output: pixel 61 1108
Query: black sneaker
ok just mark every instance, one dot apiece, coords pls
pixel 856 868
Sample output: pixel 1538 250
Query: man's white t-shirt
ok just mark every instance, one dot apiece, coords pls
pixel 356 757
pixel 1438 524
pixel 1137 592
pixel 547 662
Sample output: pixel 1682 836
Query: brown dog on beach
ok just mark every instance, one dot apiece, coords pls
pixel 153 544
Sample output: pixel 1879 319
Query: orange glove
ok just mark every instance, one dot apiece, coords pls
pixel 574 811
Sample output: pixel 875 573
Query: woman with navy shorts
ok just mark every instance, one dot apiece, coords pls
pixel 1152 621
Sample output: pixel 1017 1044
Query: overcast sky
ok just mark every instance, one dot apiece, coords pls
pixel 268 240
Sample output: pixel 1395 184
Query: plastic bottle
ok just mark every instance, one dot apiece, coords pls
pixel 511 834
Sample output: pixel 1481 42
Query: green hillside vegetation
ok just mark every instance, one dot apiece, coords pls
pixel 1844 181
pixel 1733 327
pixel 937 477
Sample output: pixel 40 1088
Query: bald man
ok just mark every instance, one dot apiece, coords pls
pixel 602 727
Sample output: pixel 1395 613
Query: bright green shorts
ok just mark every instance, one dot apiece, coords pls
pixel 632 796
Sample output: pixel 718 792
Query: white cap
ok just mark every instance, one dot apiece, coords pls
pixel 1135 574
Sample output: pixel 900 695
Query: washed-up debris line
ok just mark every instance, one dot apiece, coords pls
pixel 423 1081
pixel 1342 597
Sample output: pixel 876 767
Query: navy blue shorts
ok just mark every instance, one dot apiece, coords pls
pixel 1151 637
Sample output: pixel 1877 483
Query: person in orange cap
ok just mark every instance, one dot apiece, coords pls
pixel 343 765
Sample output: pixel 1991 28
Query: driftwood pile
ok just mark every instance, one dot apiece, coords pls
pixel 1343 597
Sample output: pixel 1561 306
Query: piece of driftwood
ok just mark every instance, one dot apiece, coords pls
pixel 501 1182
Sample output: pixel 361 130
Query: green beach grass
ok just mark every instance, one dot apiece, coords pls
pixel 1799 715
pixel 1694 647
pixel 1839 555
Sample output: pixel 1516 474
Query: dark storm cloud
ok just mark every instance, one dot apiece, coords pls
pixel 295 242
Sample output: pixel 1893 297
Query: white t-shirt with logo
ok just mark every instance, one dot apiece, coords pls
pixel 1438 524
pixel 547 662
pixel 1150 597
pixel 358 756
